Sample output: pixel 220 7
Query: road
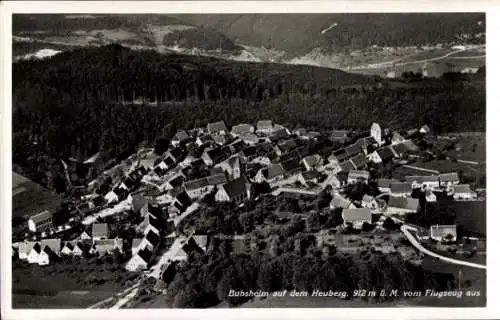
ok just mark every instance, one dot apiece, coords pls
pixel 119 207
pixel 123 297
pixel 406 231
pixel 421 169
pixel 168 256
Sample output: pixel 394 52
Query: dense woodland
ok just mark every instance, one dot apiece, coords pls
pixel 200 38
pixel 78 102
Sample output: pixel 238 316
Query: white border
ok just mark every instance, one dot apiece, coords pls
pixel 493 69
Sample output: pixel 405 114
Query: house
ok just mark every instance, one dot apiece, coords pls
pixel 24 249
pixel 463 192
pixel 368 144
pixel 151 240
pixel 150 223
pixel 359 161
pixel 236 146
pixel 221 139
pixel 309 176
pixel 376 132
pixel 272 173
pixel 85 235
pixel 291 167
pixel 369 202
pixel 425 129
pixel 40 222
pixel 249 138
pixel 181 202
pixel 34 254
pixel 213 156
pixel 396 138
pixel 401 189
pixel 102 247
pixel 196 188
pixel 136 242
pixel 176 155
pixel 444 233
pixel 201 241
pixel 237 190
pixel 423 182
pixel 279 133
pixel 338 156
pixel 44 251
pixel 448 179
pixel 217 128
pixel 381 155
pixel 358 176
pixel 384 185
pixel 242 129
pixel 265 126
pixel 312 162
pixel 430 196
pixel 340 136
pixel 217 178
pixel 339 201
pixel 232 166
pixel 111 197
pixel 180 137
pixel 139 261
pixel 346 166
pixel 356 217
pixel 203 140
pixel 353 150
pixel 402 205
pixel 100 231
pixel 175 182
pixel 67 248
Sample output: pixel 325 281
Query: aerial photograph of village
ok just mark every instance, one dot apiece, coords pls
pixel 248 160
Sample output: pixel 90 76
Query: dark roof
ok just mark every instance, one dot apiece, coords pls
pixel 357 214
pixel 353 149
pixel 346 166
pixel 404 203
pixel 41 216
pixel 183 198
pixel 129 183
pixel 359 160
pixel 153 221
pixel 216 155
pixel 159 171
pixel 385 153
pixel 249 151
pixel 177 154
pixel 450 176
pixel 339 134
pixel 177 181
pixel 145 254
pixel 153 238
pixel 218 178
pixel 288 144
pixel 386 183
pixel 310 175
pixel 400 148
pixel 291 165
pixel 236 187
pixel 237 146
pixel 421 179
pixel 401 187
pixel 196 184
pixel 462 188
pixel 197 163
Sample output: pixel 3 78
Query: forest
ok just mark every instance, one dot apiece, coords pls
pixel 111 99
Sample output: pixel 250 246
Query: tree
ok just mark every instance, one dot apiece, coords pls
pixel 389 224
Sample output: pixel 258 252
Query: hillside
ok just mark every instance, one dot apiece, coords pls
pixel 112 98
pixel 297 34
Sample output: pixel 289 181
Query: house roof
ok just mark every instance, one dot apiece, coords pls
pixel 201 240
pixel 310 175
pixel 356 214
pixel 221 139
pixel 359 160
pixel 339 134
pixel 196 184
pixel 450 176
pixel 249 151
pixel 264 124
pixel 177 153
pixel 107 245
pixel 53 244
pixel 462 188
pixel 249 137
pixel 385 153
pixel 400 148
pixel 136 242
pixel 386 183
pixel 100 230
pixel 153 238
pixel 145 254
pixel 216 179
pixel 410 145
pixel 182 135
pixel 367 198
pixel 36 218
pixel 312 160
pixel 340 202
pixel 397 136
pixel 129 183
pixel 354 174
pixel 403 203
pixel 183 198
pixel 421 179
pixel 401 187
pixel 242 128
pixel 26 246
pixel 272 171
pixel 290 165
pixel 177 181
pixel 353 149
pixel 443 230
pixel 346 166
pixel 236 187
pixel 216 127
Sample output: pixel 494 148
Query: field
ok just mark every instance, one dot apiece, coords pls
pixel 53 286
pixel 471 215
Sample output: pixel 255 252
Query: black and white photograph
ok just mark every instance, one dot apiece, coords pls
pixel 248 160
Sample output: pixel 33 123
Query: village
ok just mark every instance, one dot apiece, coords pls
pixel 155 194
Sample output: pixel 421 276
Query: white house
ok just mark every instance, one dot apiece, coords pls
pixel 401 189
pixel 265 126
pixel 463 192
pixel 339 201
pixel 423 182
pixel 444 233
pixel 111 197
pixel 139 261
pixel 384 185
pixel 448 179
pixel 40 222
pixel 312 162
pixel 272 173
pixel 357 217
pixel 196 188
pixel 358 176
